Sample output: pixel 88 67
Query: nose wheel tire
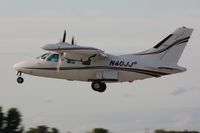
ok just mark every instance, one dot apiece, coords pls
pixel 98 86
pixel 20 80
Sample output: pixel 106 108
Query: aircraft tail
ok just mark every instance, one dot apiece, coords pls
pixel 170 49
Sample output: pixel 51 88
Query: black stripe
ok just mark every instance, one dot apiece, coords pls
pixel 146 72
pixel 183 41
pixel 180 41
pixel 163 41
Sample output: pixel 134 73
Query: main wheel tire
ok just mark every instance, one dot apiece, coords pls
pixel 20 80
pixel 103 87
pixel 95 86
pixel 98 86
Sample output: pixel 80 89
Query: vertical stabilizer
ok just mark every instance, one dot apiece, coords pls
pixel 170 49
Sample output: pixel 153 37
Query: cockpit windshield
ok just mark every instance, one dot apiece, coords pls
pixel 53 58
pixel 44 56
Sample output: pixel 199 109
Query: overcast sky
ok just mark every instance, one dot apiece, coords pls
pixel 116 26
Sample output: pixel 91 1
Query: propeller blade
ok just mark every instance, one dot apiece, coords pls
pixel 59 62
pixel 72 40
pixel 64 37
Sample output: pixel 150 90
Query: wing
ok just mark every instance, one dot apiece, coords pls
pixel 73 49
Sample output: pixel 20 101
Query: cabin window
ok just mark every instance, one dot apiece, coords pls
pixel 53 58
pixel 71 61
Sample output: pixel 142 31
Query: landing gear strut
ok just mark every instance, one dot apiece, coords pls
pixel 98 86
pixel 20 80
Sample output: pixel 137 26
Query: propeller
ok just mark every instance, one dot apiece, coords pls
pixel 60 54
pixel 64 36
pixel 59 62
pixel 72 42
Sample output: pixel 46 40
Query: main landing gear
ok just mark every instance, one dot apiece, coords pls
pixel 98 86
pixel 20 80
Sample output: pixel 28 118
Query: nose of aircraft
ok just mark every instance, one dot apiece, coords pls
pixel 19 66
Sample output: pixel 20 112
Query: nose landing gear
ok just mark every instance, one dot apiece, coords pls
pixel 98 86
pixel 20 80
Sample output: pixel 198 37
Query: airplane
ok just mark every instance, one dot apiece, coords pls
pixel 70 61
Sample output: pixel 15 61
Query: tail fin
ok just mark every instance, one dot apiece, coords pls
pixel 170 49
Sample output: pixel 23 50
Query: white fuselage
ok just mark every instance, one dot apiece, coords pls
pixel 111 69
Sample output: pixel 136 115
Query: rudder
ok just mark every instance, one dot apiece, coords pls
pixel 173 48
pixel 170 49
